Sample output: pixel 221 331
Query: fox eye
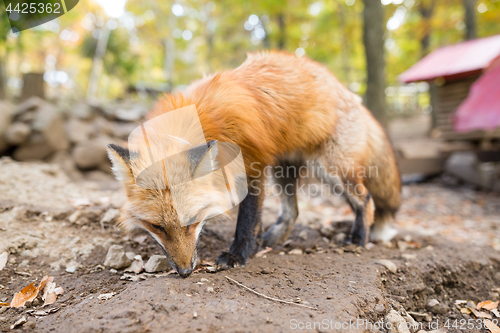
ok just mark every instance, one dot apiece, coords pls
pixel 157 227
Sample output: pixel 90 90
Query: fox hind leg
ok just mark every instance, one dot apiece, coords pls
pixel 280 231
pixel 359 199
pixel 381 229
pixel 363 206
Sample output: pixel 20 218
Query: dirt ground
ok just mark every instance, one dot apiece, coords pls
pixel 446 250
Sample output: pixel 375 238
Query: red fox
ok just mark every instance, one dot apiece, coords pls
pixel 280 110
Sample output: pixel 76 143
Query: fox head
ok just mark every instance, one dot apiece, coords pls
pixel 158 210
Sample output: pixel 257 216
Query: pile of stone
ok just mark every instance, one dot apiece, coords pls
pixel 75 137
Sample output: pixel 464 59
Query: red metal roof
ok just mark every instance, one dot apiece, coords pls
pixel 455 61
pixel 481 108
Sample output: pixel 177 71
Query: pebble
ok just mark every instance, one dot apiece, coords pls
pixel 398 323
pixel 30 325
pixel 116 257
pixel 296 252
pixel 157 263
pixel 387 264
pixel 19 322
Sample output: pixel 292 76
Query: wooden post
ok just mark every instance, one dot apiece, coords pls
pixel 33 86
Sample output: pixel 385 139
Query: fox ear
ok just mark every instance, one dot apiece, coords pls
pixel 120 158
pixel 202 158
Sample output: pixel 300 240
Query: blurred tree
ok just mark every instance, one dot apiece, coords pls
pixel 373 39
pixel 470 19
pixel 4 30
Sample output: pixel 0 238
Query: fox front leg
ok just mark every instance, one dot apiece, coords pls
pixel 248 232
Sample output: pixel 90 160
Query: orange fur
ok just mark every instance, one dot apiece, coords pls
pixel 274 106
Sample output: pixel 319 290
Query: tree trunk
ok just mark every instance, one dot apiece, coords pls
pixel 282 33
pixel 373 39
pixel 426 9
pixel 169 55
pixel 3 89
pixel 470 19
pixel 97 63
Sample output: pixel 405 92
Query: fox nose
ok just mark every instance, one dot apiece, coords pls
pixel 185 272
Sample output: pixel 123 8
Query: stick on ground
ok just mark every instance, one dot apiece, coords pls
pixel 268 297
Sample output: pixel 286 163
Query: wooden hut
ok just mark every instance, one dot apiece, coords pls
pixel 454 70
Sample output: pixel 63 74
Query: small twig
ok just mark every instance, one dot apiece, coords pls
pixel 267 297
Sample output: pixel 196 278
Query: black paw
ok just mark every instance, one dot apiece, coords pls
pixel 354 239
pixel 227 260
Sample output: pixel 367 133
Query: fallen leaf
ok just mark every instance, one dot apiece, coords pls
pixel 479 314
pixel 50 298
pixel 496 313
pixel 487 305
pixel 48 292
pixel 262 252
pixel 42 312
pixel 3 260
pixel 28 293
pixel 483 314
pixel 388 264
pixel 4 304
pixel 491 326
pixel 465 310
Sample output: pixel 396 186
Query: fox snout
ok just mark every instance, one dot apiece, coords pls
pixel 179 245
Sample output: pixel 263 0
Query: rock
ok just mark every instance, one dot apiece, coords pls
pixel 437 308
pixel 327 231
pixel 72 266
pixel 132 113
pixel 379 308
pixel 105 297
pixel 116 257
pixel 50 124
pixel 73 218
pixel 17 133
pixel 396 323
pixel 157 263
pixel 78 130
pixel 137 265
pixel 65 161
pixel 35 149
pixel 339 238
pixel 91 154
pixel 30 325
pixel 110 217
pixel 303 235
pixel 121 130
pixel 296 252
pixel 387 264
pixel 83 111
pixel 130 255
pixel 30 104
pixel 433 302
